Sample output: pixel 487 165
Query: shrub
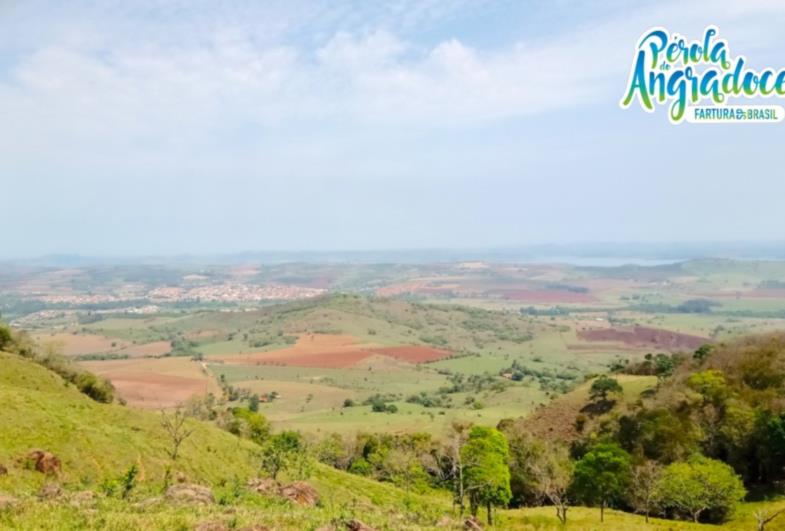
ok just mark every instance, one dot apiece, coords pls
pixel 6 338
pixel 604 386
pixel 700 486
pixel 96 388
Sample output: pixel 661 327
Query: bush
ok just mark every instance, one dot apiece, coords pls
pixel 700 486
pixel 6 338
pixel 96 388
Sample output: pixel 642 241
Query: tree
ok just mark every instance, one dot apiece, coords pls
pixel 251 425
pixel 663 366
pixel 486 474
pixel 643 492
pixel 712 387
pixel 553 472
pixel 459 434
pixel 700 485
pixel 5 337
pixel 702 353
pixel 764 517
pixel 332 450
pixel 603 475
pixel 285 451
pixel 524 449
pixel 402 466
pixel 253 403
pixel 602 387
pixel 174 426
pixel 659 434
pixel 768 444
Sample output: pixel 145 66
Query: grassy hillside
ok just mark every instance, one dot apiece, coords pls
pixel 97 443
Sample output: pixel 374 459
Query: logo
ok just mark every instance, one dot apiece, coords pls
pixel 698 78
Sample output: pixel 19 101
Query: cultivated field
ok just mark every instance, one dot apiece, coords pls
pixel 426 325
pixel 156 383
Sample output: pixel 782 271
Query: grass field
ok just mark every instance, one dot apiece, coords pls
pixel 588 519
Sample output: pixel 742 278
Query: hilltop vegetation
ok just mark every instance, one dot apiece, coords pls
pixel 685 444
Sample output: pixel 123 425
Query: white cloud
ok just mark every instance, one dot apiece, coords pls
pixel 253 104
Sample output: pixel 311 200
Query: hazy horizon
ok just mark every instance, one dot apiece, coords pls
pixel 587 253
pixel 167 128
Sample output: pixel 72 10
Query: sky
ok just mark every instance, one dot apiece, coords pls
pixel 209 126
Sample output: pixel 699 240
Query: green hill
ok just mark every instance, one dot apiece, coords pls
pixel 391 322
pixel 97 443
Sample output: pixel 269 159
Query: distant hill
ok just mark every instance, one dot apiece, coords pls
pixel 455 330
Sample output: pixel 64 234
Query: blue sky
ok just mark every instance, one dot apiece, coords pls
pixel 208 126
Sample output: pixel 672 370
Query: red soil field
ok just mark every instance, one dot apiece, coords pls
pixel 329 351
pixel 156 390
pixel 547 296
pixel 643 336
pixel 768 293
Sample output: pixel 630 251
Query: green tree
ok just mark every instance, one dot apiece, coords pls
pixel 702 353
pixel 659 434
pixel 524 450
pixel 698 486
pixel 5 337
pixel 253 403
pixel 711 385
pixel 285 451
pixel 603 475
pixel 663 366
pixel 602 387
pixel 332 450
pixel 768 442
pixel 402 467
pixel 252 425
pixel 486 473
